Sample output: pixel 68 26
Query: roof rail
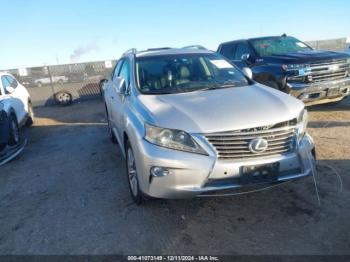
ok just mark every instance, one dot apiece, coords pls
pixel 199 47
pixel 158 48
pixel 130 51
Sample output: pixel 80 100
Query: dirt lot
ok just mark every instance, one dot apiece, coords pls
pixel 67 194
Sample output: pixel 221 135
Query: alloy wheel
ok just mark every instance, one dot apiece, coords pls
pixel 132 174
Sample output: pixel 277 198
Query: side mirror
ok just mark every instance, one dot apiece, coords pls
pixel 248 58
pixel 248 72
pixel 9 89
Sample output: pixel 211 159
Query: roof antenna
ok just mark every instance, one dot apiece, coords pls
pixel 284 35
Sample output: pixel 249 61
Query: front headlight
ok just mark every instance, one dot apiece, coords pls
pixel 300 68
pixel 173 139
pixel 302 123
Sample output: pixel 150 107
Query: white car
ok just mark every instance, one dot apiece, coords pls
pixel 16 104
pixel 47 80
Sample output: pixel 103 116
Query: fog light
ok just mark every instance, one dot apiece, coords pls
pixel 157 171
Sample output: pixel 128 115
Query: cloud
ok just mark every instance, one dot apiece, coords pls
pixel 82 50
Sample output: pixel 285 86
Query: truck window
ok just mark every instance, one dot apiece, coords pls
pixel 228 51
pixel 242 48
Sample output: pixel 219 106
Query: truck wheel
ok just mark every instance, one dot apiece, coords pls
pixel 272 84
pixel 30 119
pixel 64 98
pixel 39 84
pixel 133 180
pixel 14 131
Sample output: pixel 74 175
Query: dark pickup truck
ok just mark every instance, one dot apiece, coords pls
pixel 287 64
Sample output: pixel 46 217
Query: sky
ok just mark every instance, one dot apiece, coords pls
pixel 41 32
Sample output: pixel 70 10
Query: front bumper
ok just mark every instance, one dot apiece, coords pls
pixel 192 175
pixel 320 93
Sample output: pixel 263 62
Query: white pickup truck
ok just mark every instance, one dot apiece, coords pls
pixel 47 80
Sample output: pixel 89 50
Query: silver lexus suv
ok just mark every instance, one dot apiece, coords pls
pixel 189 123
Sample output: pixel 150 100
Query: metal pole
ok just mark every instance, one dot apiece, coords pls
pixel 51 83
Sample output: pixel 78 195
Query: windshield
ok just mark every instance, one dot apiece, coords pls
pixel 278 46
pixel 185 73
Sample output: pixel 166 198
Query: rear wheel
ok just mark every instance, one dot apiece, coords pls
pixel 14 131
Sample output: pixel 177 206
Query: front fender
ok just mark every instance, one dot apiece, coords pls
pixel 265 73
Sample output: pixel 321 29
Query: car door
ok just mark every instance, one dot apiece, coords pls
pixel 118 99
pixel 8 98
pixel 19 97
pixel 242 48
pixel 109 90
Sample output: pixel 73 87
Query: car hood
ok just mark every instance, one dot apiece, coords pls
pixel 221 110
pixel 308 56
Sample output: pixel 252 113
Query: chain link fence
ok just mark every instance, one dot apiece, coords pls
pixel 78 81
pixel 338 44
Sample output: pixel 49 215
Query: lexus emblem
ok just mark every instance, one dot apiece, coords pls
pixel 258 145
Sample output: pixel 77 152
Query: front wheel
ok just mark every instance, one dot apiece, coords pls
pixel 133 180
pixel 14 131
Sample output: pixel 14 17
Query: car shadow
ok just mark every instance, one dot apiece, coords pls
pixel 344 105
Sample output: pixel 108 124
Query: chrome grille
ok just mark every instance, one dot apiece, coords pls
pixel 328 70
pixel 235 144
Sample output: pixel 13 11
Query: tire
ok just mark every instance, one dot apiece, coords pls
pixel 131 172
pixel 272 84
pixel 14 131
pixel 110 131
pixel 63 98
pixel 30 119
pixel 39 84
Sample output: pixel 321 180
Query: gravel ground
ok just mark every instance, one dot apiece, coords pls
pixel 67 194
